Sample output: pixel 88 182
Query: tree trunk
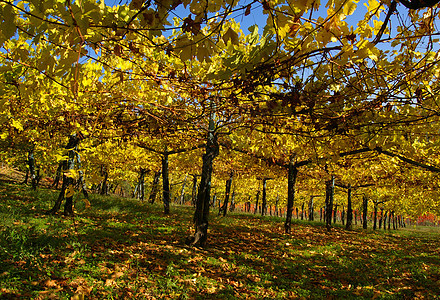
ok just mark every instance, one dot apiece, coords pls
pixel 232 206
pixel 276 205
pixel 81 180
pixel 302 211
pixel 349 224
pixel 375 217
pixel 104 184
pixel 394 220
pixel 155 186
pixel 194 191
pixel 165 184
pixel 381 218
pixel 26 177
pixel 139 191
pixel 311 212
pixel 224 208
pixel 256 202
pixel 201 213
pixel 136 191
pixel 57 204
pixel 67 190
pixel 343 216
pixel 291 180
pixel 214 200
pixel 142 184
pixel 335 212
pixel 57 178
pixel 219 203
pixel 182 192
pixel 330 187
pixel 364 211
pixel 32 167
pixel 264 198
pixel 389 220
pixel 68 205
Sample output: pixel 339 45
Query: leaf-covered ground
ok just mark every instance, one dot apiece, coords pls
pixel 122 248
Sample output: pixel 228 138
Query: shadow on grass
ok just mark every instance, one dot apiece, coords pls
pixel 127 249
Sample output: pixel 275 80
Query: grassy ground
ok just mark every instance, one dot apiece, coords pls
pixel 122 248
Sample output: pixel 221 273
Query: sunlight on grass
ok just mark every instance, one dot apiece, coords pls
pixel 128 249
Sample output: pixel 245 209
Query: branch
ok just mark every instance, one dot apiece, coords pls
pixel 385 23
pixel 267 160
pixel 314 196
pixel 265 178
pixel 353 187
pixel 186 149
pixel 416 4
pixel 170 152
pixel 342 154
pixel 150 149
pixel 408 160
pixel 376 202
pixel 297 164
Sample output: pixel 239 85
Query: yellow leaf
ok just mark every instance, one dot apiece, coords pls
pixel 17 124
pixel 374 6
pixel 349 8
pixel 70 191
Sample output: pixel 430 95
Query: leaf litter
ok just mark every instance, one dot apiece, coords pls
pixel 115 255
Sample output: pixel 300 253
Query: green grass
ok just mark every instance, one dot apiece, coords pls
pixel 121 248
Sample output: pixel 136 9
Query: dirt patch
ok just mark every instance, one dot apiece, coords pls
pixel 11 175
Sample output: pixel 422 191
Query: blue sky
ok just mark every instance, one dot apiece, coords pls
pixel 257 17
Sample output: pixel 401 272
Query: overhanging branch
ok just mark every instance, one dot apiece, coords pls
pixel 143 146
pixel 416 4
pixel 408 160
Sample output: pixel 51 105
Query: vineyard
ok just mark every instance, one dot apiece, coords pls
pixel 297 110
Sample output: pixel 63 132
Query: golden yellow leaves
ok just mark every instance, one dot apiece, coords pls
pixel 195 43
pixel 17 124
pixel 349 8
pixel 366 49
pixel 374 7
pixel 69 192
